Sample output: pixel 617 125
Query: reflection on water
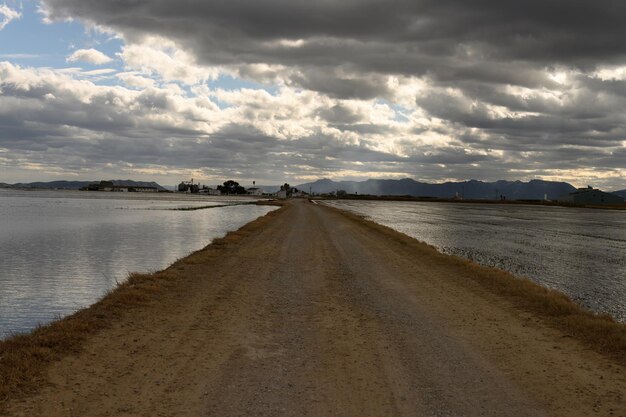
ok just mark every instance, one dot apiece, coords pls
pixel 60 251
pixel 581 252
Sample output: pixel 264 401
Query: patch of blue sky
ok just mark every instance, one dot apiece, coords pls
pixel 100 78
pixel 400 112
pixel 221 104
pixel 228 82
pixel 30 42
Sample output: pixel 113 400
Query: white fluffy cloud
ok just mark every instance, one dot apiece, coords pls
pixel 135 79
pixel 7 15
pixel 160 58
pixel 91 56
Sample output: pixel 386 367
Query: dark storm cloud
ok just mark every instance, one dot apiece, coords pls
pixel 324 81
pixel 339 114
pixel 374 33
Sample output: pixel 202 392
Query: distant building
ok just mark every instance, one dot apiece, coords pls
pixel 282 195
pixel 254 191
pixel 591 196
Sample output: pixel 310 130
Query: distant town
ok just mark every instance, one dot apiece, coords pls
pixel 534 191
pixel 581 196
pixel 111 186
pixel 231 187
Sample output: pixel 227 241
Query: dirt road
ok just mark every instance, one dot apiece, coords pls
pixel 318 315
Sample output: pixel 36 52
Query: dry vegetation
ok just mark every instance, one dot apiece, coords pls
pixel 599 332
pixel 25 358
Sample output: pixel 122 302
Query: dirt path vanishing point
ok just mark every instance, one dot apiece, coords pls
pixel 318 315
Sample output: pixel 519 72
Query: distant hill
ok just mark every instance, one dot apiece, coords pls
pixel 473 189
pixel 75 185
pixel 64 185
pixel 621 193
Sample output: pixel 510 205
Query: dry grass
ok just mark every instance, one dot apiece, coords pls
pixel 24 359
pixel 599 332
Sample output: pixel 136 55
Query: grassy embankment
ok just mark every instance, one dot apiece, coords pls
pixel 24 358
pixel 600 332
pixel 211 207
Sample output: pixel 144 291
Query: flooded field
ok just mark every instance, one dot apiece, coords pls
pixel 581 252
pixel 60 251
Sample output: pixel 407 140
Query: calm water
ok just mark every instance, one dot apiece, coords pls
pixel 60 251
pixel 581 252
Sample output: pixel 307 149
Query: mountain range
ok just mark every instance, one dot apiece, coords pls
pixel 75 185
pixel 473 189
pixel 621 193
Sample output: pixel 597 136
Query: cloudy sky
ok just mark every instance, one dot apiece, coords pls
pixel 291 90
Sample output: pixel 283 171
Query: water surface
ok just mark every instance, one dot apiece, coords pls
pixel 581 252
pixel 63 250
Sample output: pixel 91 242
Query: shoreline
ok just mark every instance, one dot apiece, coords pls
pixel 521 243
pixel 471 201
pixel 25 359
pixel 599 331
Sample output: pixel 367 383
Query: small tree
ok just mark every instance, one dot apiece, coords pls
pixel 287 188
pixel 231 187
